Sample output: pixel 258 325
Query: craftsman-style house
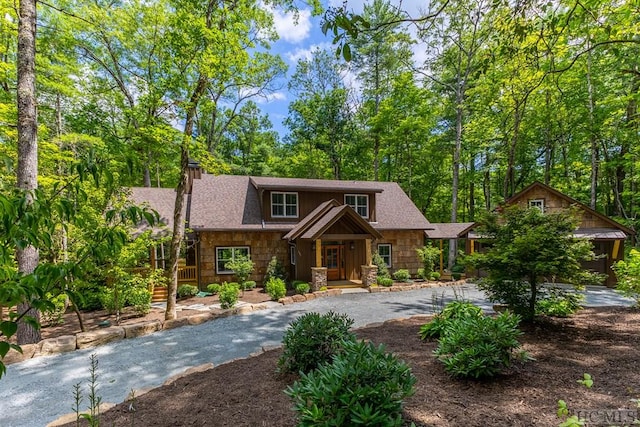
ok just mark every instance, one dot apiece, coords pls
pixel 607 235
pixel 321 231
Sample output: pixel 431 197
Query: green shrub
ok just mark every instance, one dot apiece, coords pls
pixel 276 288
pixel 187 291
pixel 363 385
pixel 377 260
pixel 558 302
pixel 249 284
pixel 453 310
pixel 242 267
pixel 384 281
pixel 140 299
pixel 275 269
pixel 402 275
pixel 323 288
pixel 435 275
pixel 55 316
pixel 113 299
pixel 302 288
pixel 478 346
pixel 228 295
pixel 214 288
pixel 313 339
pixel 628 273
pixel 429 255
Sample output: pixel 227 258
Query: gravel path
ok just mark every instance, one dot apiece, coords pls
pixel 38 391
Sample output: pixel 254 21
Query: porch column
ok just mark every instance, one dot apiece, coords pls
pixel 318 278
pixel 369 275
pixel 367 250
pixel 318 244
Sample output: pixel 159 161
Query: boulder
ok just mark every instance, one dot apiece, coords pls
pixel 197 319
pixel 62 344
pixel 175 323
pixel 99 337
pixel 140 329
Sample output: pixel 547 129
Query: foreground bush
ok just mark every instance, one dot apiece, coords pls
pixel 384 281
pixel 363 385
pixel 479 346
pixel 302 288
pixel 453 310
pixel 214 288
pixel 402 275
pixel 187 291
pixel 275 288
pixel 228 294
pixel 313 339
pixel 558 302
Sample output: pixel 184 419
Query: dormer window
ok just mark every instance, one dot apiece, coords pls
pixel 359 203
pixel 284 205
pixel 537 203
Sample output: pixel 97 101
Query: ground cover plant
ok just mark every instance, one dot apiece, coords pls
pixel 601 341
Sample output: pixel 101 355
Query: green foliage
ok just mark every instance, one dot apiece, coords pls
pixel 557 302
pixel 187 291
pixel 229 294
pixel 242 267
pixel 312 339
pixel 214 288
pixel 453 310
pixel 302 288
pixel 478 346
pixel 435 275
pixel 383 270
pixel 429 255
pixel 248 284
pixel 363 385
pixel 563 409
pixel 113 299
pixel 139 297
pixel 525 246
pixel 276 288
pixel 628 273
pixel 402 275
pixel 384 281
pixel 55 316
pixel 275 269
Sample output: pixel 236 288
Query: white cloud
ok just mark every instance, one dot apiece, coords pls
pixel 288 29
pixel 305 53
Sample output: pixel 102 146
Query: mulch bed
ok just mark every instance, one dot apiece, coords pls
pixel 603 342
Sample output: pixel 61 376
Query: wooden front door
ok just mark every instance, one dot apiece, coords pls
pixel 332 258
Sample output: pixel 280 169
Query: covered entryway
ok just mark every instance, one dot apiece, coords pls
pixel 333 259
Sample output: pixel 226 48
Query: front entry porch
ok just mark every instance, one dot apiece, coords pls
pixel 344 284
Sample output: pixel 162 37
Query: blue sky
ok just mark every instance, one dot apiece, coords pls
pixel 297 41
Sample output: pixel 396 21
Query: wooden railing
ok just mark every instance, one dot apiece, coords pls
pixel 187 274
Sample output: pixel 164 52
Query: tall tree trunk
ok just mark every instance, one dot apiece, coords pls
pixel 181 190
pixel 453 243
pixel 27 173
pixel 592 137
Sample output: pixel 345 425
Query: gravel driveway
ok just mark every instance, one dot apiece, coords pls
pixel 38 391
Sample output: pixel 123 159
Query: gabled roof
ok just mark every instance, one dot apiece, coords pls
pixel 321 219
pixel 163 201
pixel 538 185
pixel 230 202
pixel 449 230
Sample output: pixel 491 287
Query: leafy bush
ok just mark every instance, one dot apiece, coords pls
pixel 276 288
pixel 249 284
pixel 214 288
pixel 302 287
pixel 312 339
pixel 453 310
pixel 384 281
pixel 378 261
pixel 557 302
pixel 140 299
pixel 242 267
pixel 187 291
pixel 428 255
pixel 435 275
pixel 55 316
pixel 479 346
pixel 363 385
pixel 228 295
pixel 402 275
pixel 113 299
pixel 628 273
pixel 275 269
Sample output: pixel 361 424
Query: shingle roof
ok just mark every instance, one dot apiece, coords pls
pixel 162 200
pixel 448 230
pixel 229 202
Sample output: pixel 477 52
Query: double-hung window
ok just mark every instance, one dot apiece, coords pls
pixel 359 203
pixel 226 254
pixel 284 205
pixel 384 250
pixel 537 203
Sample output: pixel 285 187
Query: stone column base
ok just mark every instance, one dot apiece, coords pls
pixel 369 275
pixel 318 278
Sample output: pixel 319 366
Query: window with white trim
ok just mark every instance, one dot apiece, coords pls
pixel 537 203
pixel 292 254
pixel 225 254
pixel 384 250
pixel 284 205
pixel 359 203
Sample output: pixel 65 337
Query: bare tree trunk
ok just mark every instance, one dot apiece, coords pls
pixel 592 137
pixel 453 243
pixel 27 173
